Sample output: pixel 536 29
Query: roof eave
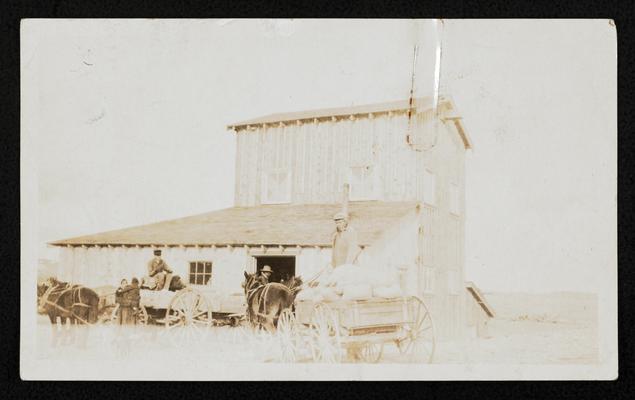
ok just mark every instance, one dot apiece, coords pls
pixel 422 103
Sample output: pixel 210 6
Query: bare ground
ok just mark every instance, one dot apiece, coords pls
pixel 558 328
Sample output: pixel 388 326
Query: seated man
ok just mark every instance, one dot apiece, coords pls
pixel 264 275
pixel 160 271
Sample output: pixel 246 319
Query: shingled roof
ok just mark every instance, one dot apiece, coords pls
pixel 281 224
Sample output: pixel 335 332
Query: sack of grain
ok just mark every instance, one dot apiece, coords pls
pixel 384 276
pixel 329 294
pixel 306 294
pixel 349 274
pixel 387 292
pixel 357 291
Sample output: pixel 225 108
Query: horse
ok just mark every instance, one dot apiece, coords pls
pixel 266 302
pixel 75 303
pixel 41 289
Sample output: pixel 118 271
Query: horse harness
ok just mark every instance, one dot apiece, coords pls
pixel 61 290
pixel 262 297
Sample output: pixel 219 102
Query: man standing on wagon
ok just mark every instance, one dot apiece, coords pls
pixel 159 269
pixel 345 245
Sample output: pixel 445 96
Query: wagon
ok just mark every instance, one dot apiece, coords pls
pixel 326 331
pixel 187 307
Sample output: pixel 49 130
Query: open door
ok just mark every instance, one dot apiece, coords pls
pixel 283 266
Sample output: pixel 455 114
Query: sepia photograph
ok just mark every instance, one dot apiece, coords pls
pixel 304 199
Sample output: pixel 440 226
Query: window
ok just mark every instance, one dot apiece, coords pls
pixel 362 181
pixel 276 187
pixel 454 199
pixel 200 272
pixel 429 187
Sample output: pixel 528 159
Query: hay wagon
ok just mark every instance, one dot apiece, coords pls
pixel 187 307
pixel 325 331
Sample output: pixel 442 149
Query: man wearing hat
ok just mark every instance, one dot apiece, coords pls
pixel 345 245
pixel 264 275
pixel 159 270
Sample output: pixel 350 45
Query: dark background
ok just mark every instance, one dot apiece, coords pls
pixel 12 11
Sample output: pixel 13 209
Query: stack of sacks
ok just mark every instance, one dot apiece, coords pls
pixel 319 293
pixel 354 282
pixel 357 291
pixel 348 274
pixel 386 283
pixel 387 292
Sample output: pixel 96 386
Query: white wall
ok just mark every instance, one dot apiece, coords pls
pixel 97 266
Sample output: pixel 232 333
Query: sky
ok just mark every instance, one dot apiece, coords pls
pixel 124 124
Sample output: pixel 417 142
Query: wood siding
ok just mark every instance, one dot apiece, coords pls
pixel 319 156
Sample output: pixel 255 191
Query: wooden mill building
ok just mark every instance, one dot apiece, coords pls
pixel 399 167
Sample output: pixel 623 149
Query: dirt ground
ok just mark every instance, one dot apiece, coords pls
pixel 538 329
pixel 554 328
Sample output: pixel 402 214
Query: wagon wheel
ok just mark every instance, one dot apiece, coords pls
pixel 287 334
pixel 326 344
pixel 142 316
pixel 188 317
pixel 367 352
pixel 418 341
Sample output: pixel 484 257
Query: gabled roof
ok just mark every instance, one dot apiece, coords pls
pixel 418 104
pixel 283 224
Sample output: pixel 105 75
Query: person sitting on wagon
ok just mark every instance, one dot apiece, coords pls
pixel 264 275
pixel 159 269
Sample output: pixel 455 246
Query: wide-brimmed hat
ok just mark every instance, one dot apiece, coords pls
pixel 340 216
pixel 266 268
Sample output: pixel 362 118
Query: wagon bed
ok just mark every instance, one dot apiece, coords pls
pixel 360 327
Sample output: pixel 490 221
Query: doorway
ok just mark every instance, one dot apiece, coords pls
pixel 283 267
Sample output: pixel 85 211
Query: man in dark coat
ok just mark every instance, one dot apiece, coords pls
pixel 264 275
pixel 121 298
pixel 133 297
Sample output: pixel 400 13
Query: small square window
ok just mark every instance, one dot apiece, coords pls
pixel 200 272
pixel 276 187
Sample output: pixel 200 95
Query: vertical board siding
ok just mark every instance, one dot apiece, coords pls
pixel 319 157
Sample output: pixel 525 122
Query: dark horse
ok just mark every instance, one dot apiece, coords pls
pixel 75 303
pixel 266 302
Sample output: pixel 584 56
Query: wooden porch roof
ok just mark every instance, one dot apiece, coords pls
pixel 283 224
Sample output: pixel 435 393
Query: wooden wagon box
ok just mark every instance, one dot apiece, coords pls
pixel 355 315
pixel 157 299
